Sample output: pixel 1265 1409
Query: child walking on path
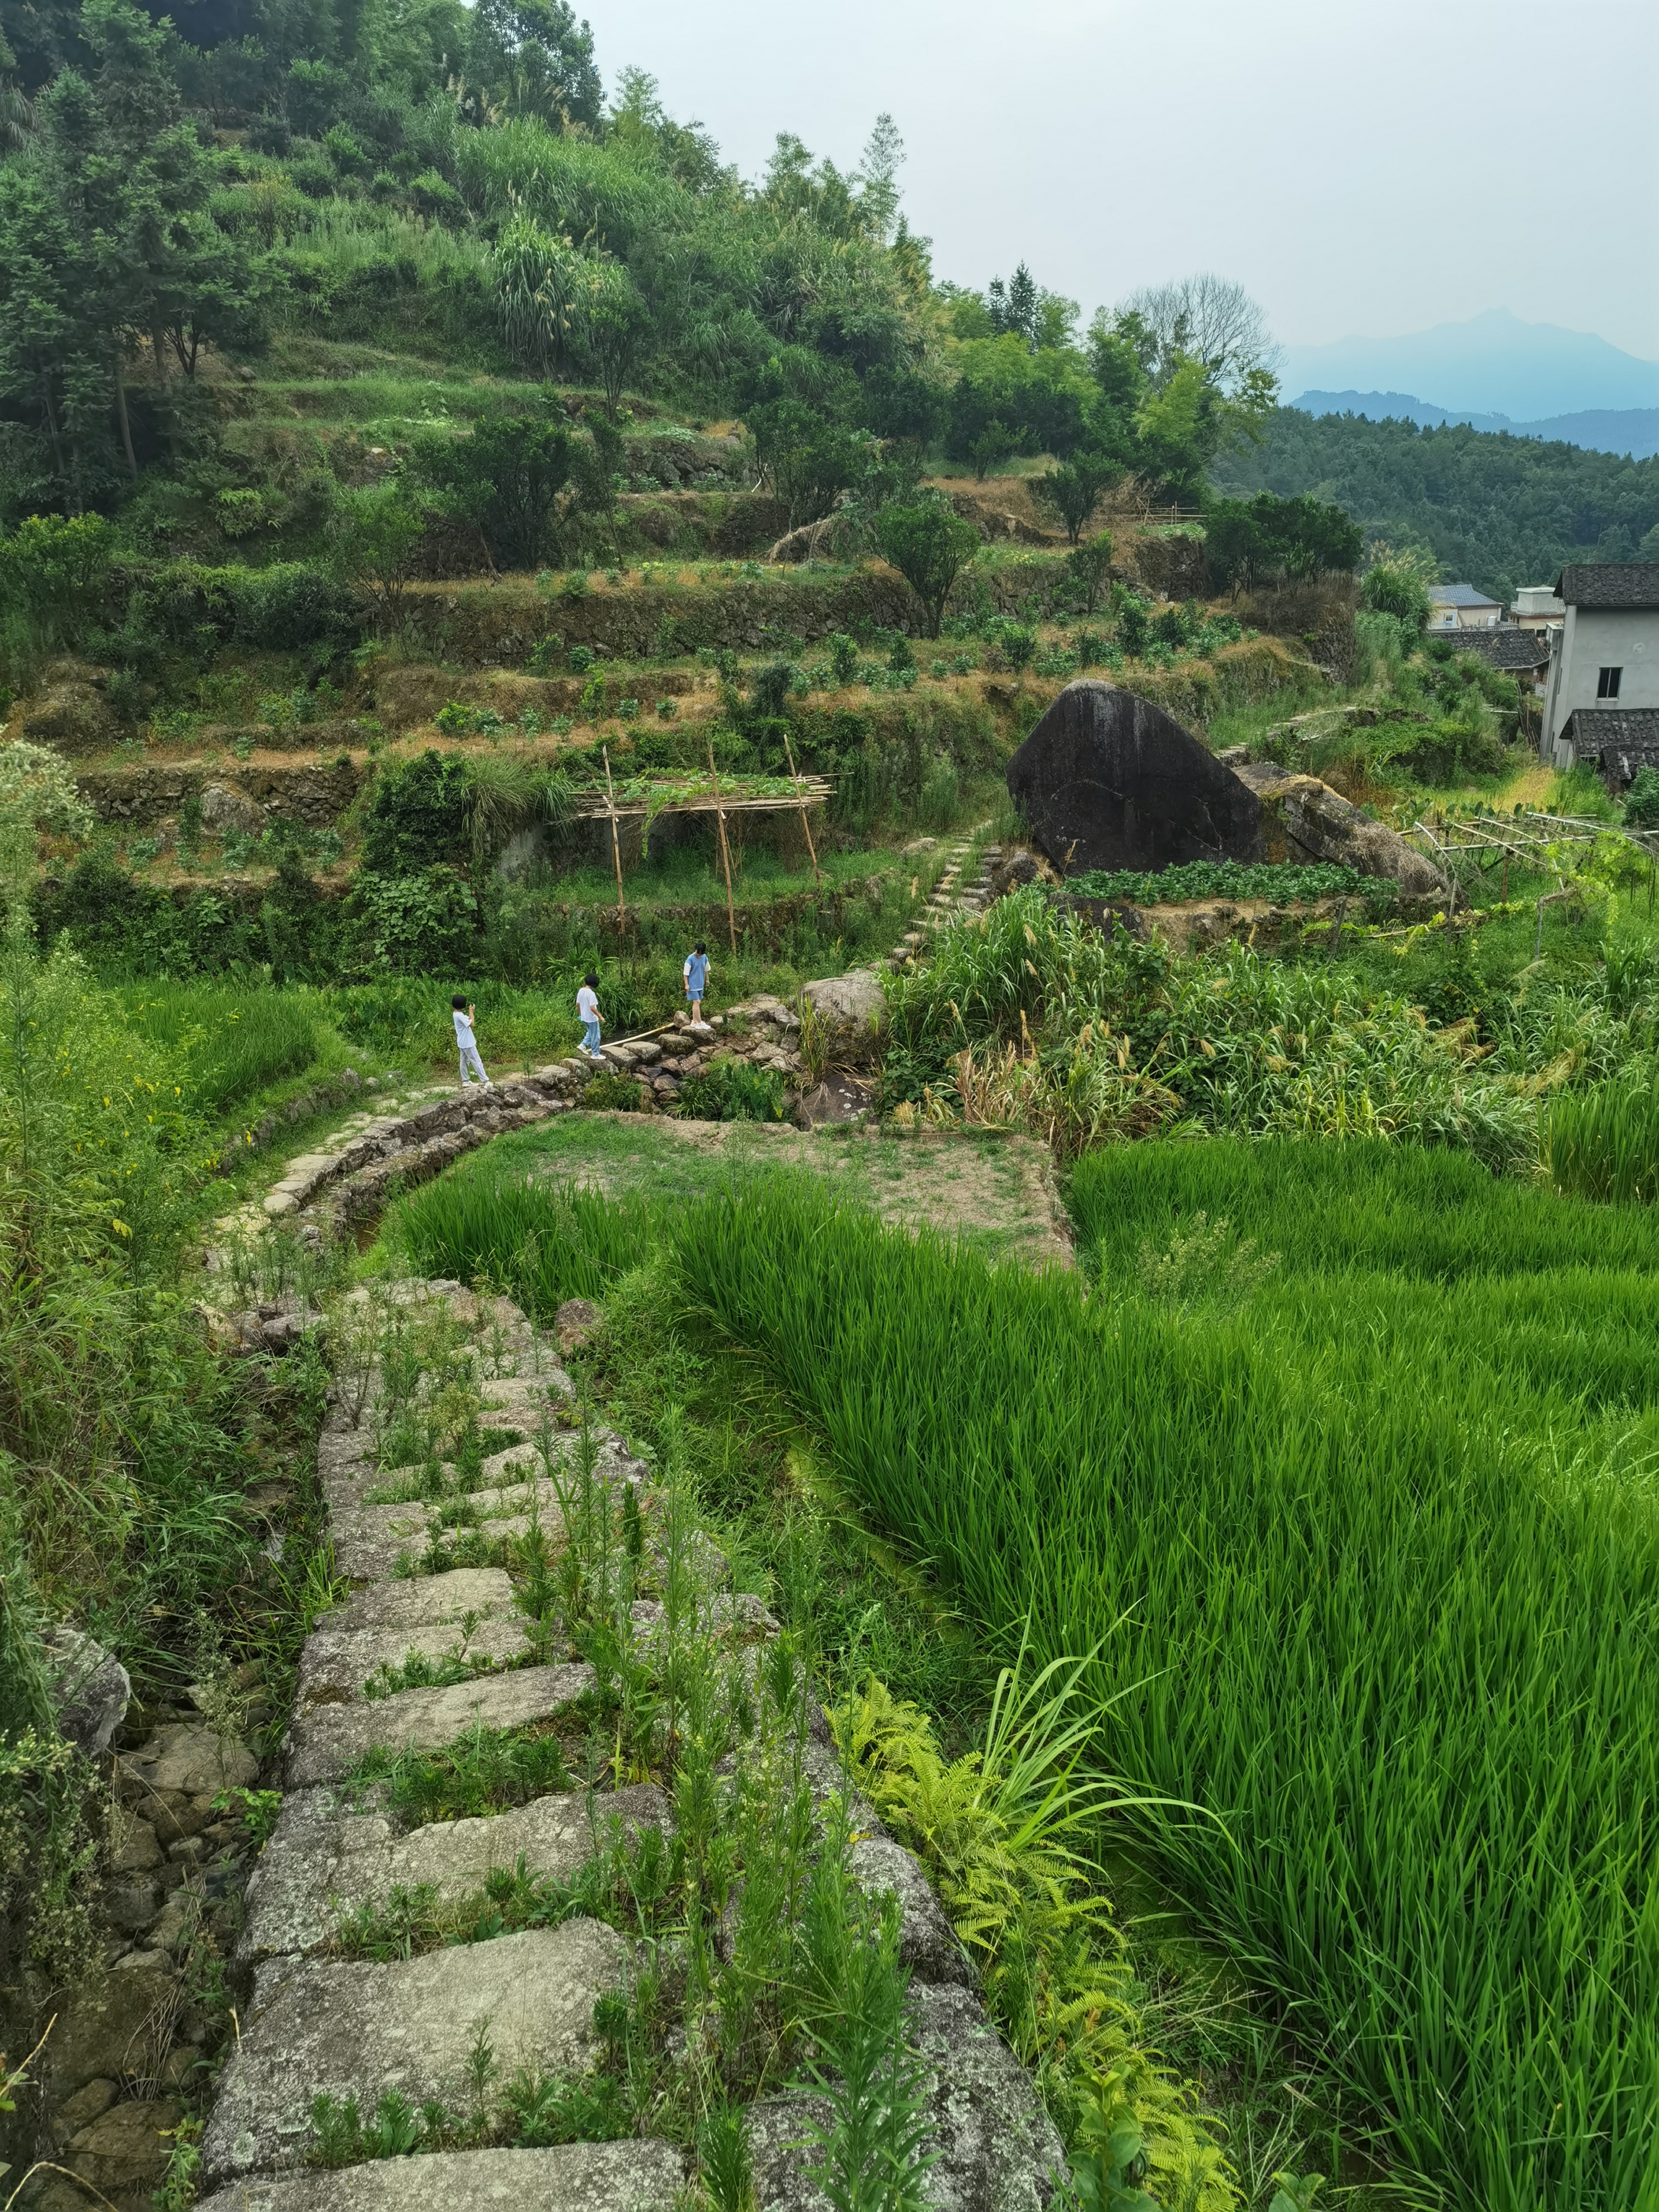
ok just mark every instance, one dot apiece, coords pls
pixel 467 1045
pixel 696 979
pixel 587 1009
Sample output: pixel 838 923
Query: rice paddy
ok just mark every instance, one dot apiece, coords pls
pixel 1364 1546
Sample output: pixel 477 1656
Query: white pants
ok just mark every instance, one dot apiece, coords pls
pixel 470 1059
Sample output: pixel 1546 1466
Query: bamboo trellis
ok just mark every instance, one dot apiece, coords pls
pixel 1489 838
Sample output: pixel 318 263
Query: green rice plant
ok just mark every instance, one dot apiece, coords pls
pixel 1604 1143
pixel 543 1243
pixel 1433 1216
pixel 1398 1634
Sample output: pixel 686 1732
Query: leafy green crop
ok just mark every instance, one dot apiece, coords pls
pixel 1281 882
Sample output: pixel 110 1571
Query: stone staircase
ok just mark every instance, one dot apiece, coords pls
pixel 447 2028
pixel 950 902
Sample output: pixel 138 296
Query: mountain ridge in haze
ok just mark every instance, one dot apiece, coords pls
pixel 1630 430
pixel 1494 365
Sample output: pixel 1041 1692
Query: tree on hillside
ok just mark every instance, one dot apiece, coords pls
pixel 1071 492
pixel 504 480
pixel 106 243
pixel 1496 510
pixel 531 57
pixel 1013 306
pixel 1206 319
pixel 1182 425
pixel 930 545
pixel 1249 541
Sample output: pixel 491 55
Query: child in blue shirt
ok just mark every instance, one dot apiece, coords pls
pixel 696 979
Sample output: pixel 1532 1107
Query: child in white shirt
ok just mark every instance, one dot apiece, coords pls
pixel 466 1044
pixel 587 1010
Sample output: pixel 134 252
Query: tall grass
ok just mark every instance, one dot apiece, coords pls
pixel 1402 1644
pixel 220 1045
pixel 1604 1143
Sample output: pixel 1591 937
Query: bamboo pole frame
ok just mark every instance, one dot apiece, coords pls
pixel 726 856
pixel 616 848
pixel 789 752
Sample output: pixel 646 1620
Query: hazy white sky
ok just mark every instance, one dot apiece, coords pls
pixel 1371 168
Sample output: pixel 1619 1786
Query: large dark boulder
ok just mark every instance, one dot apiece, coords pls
pixel 1109 780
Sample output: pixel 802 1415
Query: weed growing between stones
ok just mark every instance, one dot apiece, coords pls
pixel 874 2145
pixel 489 1770
pixel 420 1672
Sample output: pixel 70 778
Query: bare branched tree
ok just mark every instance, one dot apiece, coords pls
pixel 1211 319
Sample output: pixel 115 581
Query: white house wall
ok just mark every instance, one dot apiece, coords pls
pixel 1594 638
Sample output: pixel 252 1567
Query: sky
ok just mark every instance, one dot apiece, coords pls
pixel 1369 170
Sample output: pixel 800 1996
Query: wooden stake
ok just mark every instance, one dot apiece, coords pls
pixel 616 848
pixel 726 856
pixel 817 876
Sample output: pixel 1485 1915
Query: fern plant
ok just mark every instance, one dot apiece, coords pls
pixel 1002 1832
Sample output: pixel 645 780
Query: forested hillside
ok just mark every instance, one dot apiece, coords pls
pixel 1499 511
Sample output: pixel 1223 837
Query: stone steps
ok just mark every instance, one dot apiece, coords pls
pixel 622 2177
pixel 319 2024
pixel 323 2027
pixel 324 1744
pixel 325 1854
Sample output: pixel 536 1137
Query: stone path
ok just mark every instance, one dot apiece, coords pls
pixel 949 903
pixel 315 2023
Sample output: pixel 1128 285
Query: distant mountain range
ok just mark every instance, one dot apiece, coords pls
pixel 1634 430
pixel 1494 365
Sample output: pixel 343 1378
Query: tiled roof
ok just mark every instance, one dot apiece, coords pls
pixel 1506 647
pixel 1459 595
pixel 1626 584
pixel 1621 739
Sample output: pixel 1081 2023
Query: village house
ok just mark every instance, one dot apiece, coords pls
pixel 1460 606
pixel 1536 607
pixel 1602 693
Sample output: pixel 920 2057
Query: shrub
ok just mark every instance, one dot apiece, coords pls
pixel 505 478
pixel 1642 800
pixel 612 1091
pixel 733 1090
pixel 417 813
pixel 1248 542
pixel 1133 627
pixel 424 922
